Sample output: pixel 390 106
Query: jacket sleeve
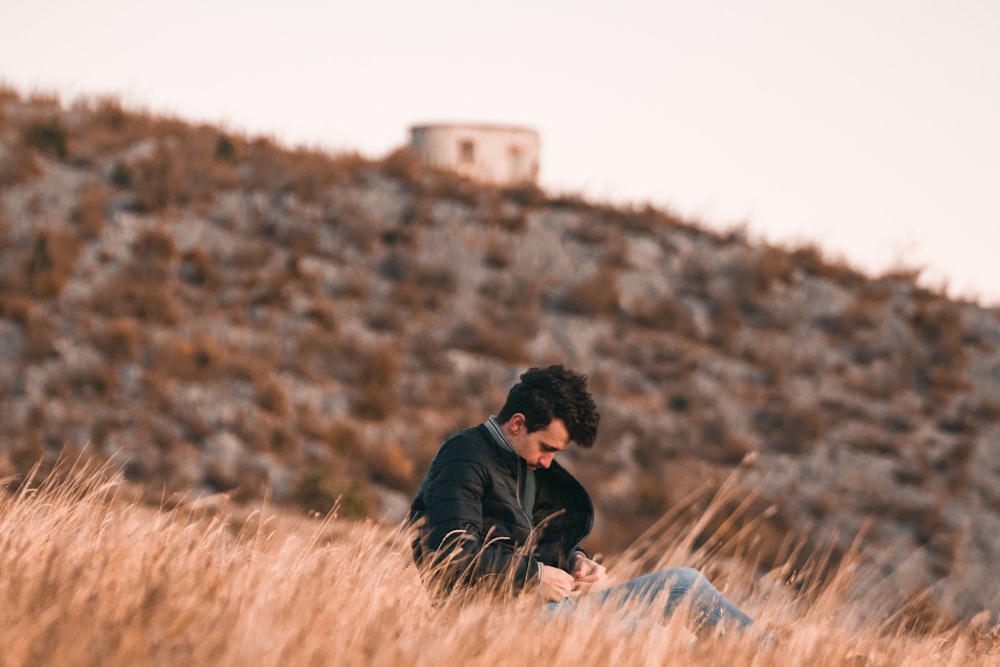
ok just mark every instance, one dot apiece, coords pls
pixel 455 536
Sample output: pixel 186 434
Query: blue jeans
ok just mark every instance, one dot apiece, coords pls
pixel 708 609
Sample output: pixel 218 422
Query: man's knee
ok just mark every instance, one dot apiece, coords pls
pixel 682 578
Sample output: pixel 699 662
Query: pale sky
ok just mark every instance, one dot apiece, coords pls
pixel 869 127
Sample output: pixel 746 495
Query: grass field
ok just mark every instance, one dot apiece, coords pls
pixel 90 577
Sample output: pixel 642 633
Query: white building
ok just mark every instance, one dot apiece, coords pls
pixel 498 154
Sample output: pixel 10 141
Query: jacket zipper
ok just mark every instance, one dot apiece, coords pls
pixel 517 493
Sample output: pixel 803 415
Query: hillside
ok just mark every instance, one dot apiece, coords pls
pixel 217 313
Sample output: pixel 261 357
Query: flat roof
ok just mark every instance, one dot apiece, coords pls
pixel 474 126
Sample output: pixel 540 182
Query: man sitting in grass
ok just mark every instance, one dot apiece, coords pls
pixel 496 512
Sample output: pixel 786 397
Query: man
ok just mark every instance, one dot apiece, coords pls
pixel 496 512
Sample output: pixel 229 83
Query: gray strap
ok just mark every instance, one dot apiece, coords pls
pixel 529 492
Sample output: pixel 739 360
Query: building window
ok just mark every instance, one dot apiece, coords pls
pixel 466 151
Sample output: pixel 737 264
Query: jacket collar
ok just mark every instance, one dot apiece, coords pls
pixel 497 435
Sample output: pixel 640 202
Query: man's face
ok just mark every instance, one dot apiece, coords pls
pixel 540 447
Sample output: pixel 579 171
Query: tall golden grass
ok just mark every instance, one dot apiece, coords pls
pixel 90 578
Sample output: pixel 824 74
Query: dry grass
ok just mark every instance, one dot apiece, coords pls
pixel 92 579
pixel 228 283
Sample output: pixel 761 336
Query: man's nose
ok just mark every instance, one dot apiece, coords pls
pixel 546 461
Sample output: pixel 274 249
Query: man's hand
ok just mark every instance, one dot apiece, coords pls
pixel 587 572
pixel 556 584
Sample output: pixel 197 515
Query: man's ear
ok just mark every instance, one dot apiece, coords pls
pixel 516 423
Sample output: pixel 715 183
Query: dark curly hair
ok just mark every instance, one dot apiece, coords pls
pixel 554 392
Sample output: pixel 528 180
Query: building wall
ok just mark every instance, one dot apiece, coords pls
pixel 488 153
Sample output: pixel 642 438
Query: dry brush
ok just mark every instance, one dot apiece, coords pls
pixel 93 578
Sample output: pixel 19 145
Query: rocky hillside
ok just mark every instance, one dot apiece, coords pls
pixel 217 313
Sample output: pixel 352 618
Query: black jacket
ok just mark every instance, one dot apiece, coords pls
pixel 472 527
